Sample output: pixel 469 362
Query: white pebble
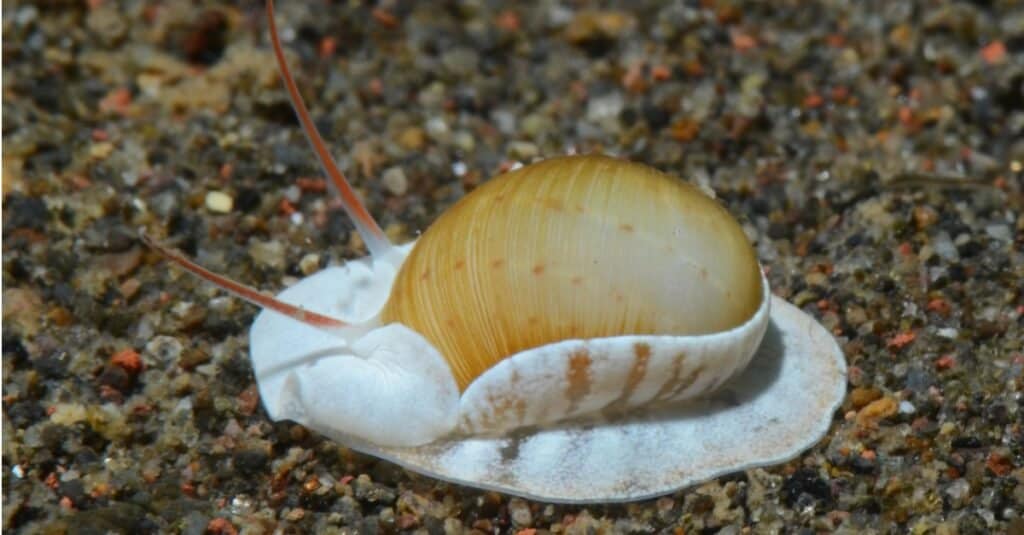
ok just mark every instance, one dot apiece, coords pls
pixel 948 332
pixel 907 407
pixel 219 202
pixel 945 247
pixel 437 128
pixel 395 181
pixel 605 107
pixel 459 168
pixel 999 232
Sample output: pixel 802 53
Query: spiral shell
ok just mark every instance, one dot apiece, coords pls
pixel 573 248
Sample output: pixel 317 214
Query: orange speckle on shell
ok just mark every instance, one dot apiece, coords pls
pixel 505 306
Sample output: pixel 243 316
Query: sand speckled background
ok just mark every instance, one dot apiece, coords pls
pixel 873 150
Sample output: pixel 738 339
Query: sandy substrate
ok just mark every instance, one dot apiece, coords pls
pixel 873 151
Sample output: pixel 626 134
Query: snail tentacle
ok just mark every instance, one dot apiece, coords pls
pixel 248 293
pixel 376 241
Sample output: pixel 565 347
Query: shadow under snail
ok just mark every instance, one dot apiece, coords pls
pixel 582 329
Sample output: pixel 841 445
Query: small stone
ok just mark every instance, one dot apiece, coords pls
pixel 605 107
pixel 437 128
pixel 100 151
pixel 948 332
pixel 107 22
pixel 119 264
pixel 591 26
pixel 1000 232
pixel 505 120
pixel 861 396
pixel 268 253
pixel 309 264
pixel 219 202
pixel 876 411
pixel 536 125
pixel 519 512
pixel 464 141
pixel 959 493
pixel 453 526
pixel 68 413
pixel 522 150
pixel 129 287
pixel 412 138
pixel 945 247
pixel 395 181
pixel 925 216
pixel 22 307
pixel 461 61
pixel 128 359
pixel 163 350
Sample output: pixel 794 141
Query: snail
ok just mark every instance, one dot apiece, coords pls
pixel 581 329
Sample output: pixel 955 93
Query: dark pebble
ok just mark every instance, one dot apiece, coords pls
pixel 966 442
pixel 205 41
pixel 806 482
pixel 656 117
pixel 25 413
pixel 247 200
pixel 75 490
pixel 53 436
pixel 117 378
pixel 24 212
pixel 251 462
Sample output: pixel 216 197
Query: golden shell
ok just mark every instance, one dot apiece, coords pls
pixel 575 247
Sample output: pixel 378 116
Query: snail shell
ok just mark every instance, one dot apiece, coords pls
pixel 573 247
pixel 581 248
pixel 541 419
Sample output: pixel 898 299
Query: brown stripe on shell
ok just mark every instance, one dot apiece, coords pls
pixel 676 383
pixel 673 378
pixel 577 378
pixel 641 355
pixel 684 384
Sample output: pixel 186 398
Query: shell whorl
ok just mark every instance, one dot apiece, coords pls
pixel 573 248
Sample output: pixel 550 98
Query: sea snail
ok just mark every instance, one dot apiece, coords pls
pixel 581 329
